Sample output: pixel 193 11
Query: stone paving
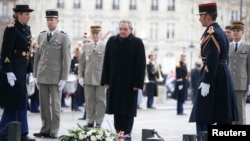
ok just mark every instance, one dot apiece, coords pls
pixel 163 119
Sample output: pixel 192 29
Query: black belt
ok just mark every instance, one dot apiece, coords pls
pixel 221 62
pixel 22 53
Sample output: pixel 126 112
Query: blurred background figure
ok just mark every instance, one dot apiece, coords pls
pixel 74 70
pixel 34 98
pixel 181 85
pixel 229 33
pixel 151 86
pixel 195 77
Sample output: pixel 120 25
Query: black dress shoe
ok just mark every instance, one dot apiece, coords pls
pixel 52 136
pixel 82 118
pixel 89 125
pixel 98 125
pixel 181 114
pixel 43 135
pixel 26 138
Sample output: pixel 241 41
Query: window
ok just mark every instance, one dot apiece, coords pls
pixel 4 12
pixel 235 15
pixel 132 5
pixel 116 4
pixel 98 4
pixel 60 3
pixel 76 28
pixel 171 5
pixel 154 5
pixel 153 30
pixel 77 4
pixel 170 31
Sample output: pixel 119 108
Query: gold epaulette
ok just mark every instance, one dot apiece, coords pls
pixel 178 65
pixel 210 30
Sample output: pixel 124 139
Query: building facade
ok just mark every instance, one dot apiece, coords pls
pixel 167 27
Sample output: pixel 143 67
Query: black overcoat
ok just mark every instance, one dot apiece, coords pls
pixel 16 41
pixel 123 69
pixel 219 106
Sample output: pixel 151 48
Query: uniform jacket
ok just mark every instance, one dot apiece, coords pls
pixel 219 106
pixel 91 62
pixel 152 77
pixel 123 68
pixel 181 79
pixel 15 58
pixel 52 59
pixel 239 65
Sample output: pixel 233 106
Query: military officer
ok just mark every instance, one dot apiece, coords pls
pixel 215 99
pixel 90 70
pixel 51 69
pixel 16 65
pixel 239 65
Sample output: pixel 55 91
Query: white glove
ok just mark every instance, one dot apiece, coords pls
pixel 11 78
pixel 204 89
pixel 180 87
pixel 31 78
pixel 248 92
pixel 81 81
pixel 61 84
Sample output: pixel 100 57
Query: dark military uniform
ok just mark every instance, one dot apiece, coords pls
pixel 219 106
pixel 181 80
pixel 151 86
pixel 15 57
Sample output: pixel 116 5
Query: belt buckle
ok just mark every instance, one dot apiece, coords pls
pixel 24 53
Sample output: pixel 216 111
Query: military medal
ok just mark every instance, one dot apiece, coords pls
pixel 87 58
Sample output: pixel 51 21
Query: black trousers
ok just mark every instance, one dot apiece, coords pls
pixel 123 123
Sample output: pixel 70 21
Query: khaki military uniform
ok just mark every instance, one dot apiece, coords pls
pixel 90 69
pixel 51 64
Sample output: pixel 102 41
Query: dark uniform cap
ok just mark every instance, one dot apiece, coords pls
pixel 95 28
pixel 238 25
pixel 51 13
pixel 22 8
pixel 207 8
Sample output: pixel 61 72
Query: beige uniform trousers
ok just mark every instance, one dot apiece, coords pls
pixel 95 99
pixel 50 105
pixel 241 106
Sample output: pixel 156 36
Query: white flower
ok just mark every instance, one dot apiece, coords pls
pixel 93 138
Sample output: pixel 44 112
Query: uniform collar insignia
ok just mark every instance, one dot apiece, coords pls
pixel 210 30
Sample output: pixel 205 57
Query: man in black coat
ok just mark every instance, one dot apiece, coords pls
pixel 123 74
pixel 16 65
pixel 215 101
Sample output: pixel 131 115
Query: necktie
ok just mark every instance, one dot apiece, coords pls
pixel 236 46
pixel 49 36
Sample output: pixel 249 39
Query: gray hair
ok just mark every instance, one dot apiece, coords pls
pixel 128 22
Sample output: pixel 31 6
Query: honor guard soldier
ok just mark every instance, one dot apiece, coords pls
pixel 16 65
pixel 181 85
pixel 90 70
pixel 215 99
pixel 51 69
pixel 239 65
